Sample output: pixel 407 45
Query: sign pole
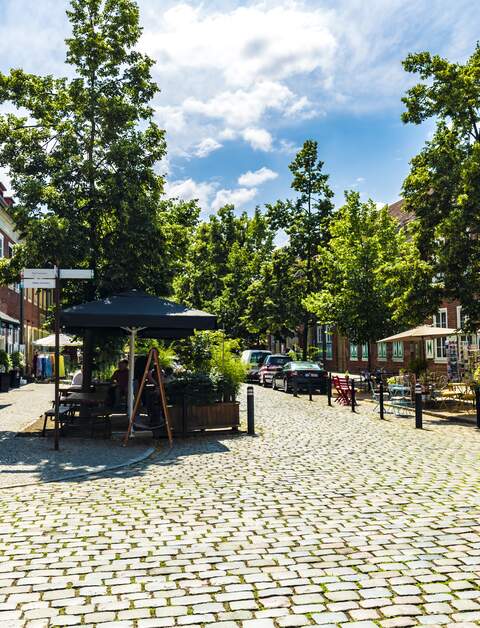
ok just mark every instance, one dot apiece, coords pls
pixel 57 355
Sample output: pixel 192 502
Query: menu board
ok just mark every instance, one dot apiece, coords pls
pixel 452 360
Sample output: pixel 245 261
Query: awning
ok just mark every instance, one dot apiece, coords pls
pixel 423 331
pixel 8 319
pixel 65 341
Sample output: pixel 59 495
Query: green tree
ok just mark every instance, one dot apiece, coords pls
pixel 224 258
pixel 374 282
pixel 443 187
pixel 305 220
pixel 81 153
pixel 274 298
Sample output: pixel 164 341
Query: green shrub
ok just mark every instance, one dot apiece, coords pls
pixel 212 354
pixel 5 362
pixel 18 361
pixel 166 354
pixel 196 388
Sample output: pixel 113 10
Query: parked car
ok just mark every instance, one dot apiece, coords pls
pixel 307 374
pixel 254 358
pixel 273 363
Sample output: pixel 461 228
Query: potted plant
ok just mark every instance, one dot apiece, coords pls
pixel 5 365
pixel 17 369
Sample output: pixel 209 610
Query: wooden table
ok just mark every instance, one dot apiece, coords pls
pixel 89 399
pixel 92 407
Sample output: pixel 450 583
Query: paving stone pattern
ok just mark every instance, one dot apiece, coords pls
pixel 28 460
pixel 326 518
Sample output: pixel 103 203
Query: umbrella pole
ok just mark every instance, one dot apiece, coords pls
pixel 131 367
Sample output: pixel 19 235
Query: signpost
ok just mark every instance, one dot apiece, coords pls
pixel 49 279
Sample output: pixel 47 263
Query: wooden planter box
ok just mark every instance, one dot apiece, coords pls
pixel 214 416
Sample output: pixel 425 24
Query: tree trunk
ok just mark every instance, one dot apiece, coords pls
pixel 324 344
pixel 87 366
pixel 305 337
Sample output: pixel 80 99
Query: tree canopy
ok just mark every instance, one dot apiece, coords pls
pixel 223 259
pixel 443 187
pixel 372 276
pixel 305 221
pixel 82 155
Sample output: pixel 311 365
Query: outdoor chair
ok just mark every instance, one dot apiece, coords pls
pixel 65 415
pixel 343 390
pixel 376 399
pixel 400 400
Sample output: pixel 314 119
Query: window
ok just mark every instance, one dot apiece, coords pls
pixel 329 342
pixel 1 245
pixel 382 351
pixel 429 349
pixel 353 351
pixel 398 351
pixel 365 352
pixel 440 319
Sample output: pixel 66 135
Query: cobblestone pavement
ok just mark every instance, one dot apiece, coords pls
pixel 326 518
pixel 28 460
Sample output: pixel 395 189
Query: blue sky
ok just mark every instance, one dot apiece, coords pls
pixel 245 83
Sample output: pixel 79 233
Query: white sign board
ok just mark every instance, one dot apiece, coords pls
pixel 38 273
pixel 38 283
pixel 75 273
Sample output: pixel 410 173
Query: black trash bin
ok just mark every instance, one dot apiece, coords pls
pixel 4 382
pixel 14 378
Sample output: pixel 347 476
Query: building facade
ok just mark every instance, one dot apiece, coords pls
pixel 22 312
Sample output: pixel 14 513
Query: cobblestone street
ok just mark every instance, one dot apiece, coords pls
pixel 325 518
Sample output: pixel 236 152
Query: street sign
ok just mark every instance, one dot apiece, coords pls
pixel 38 283
pixel 75 273
pixel 38 273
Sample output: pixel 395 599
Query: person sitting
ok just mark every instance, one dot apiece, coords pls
pixel 119 387
pixel 77 379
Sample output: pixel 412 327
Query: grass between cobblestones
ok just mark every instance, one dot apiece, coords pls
pixel 325 518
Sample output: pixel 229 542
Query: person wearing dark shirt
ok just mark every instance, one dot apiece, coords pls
pixel 119 387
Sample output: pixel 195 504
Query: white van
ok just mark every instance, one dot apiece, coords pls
pixel 254 358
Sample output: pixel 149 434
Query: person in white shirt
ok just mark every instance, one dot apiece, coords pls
pixel 77 379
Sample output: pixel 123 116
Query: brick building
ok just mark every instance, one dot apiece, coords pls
pixel 35 302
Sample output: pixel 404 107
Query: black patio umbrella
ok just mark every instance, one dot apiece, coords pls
pixel 137 313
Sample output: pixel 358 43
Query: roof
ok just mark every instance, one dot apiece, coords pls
pixel 423 331
pixel 397 211
pixel 9 319
pixel 163 318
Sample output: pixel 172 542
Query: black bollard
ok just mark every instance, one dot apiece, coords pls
pixel 353 396
pixel 295 386
pixel 310 391
pixel 418 407
pixel 477 404
pixel 250 411
pixel 329 389
pixel 382 407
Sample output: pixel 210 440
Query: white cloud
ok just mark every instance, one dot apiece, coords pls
pixel 207 146
pixel 245 44
pixel 237 197
pixel 252 179
pixel 189 190
pixel 242 107
pixel 259 139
